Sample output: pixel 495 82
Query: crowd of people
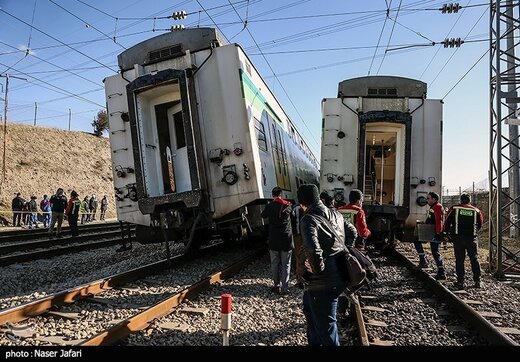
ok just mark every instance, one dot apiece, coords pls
pixel 318 233
pixel 52 210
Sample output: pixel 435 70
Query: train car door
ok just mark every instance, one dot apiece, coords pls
pixel 179 153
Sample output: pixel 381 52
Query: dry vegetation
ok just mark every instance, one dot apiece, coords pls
pixel 40 159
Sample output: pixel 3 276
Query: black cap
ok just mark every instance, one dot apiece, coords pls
pixel 465 198
pixel 277 191
pixel 74 194
pixel 308 194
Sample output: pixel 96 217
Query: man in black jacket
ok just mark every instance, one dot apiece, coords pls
pixel 324 280
pixel 17 206
pixel 59 203
pixel 278 212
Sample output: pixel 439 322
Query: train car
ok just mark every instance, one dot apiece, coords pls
pixel 198 140
pixel 383 136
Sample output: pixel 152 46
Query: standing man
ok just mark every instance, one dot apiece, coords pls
pixel 33 216
pixel 278 212
pixel 436 217
pixel 104 205
pixel 462 223
pixel 354 213
pixel 17 207
pixel 324 280
pixel 72 212
pixel 59 203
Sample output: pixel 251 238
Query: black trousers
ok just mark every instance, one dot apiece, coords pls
pixel 73 223
pixel 461 246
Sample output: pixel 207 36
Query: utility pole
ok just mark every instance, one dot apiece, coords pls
pixel 6 105
pixel 35 111
pixel 513 174
pixel 504 24
pixel 70 115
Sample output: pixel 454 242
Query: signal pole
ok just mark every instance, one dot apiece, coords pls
pixel 6 104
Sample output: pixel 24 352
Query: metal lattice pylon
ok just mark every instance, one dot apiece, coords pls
pixel 504 203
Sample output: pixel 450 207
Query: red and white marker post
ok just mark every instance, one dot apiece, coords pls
pixel 225 317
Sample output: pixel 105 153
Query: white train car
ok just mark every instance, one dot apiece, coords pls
pixel 198 140
pixel 383 136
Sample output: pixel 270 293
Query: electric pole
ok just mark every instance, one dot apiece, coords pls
pixel 35 111
pixel 503 32
pixel 6 105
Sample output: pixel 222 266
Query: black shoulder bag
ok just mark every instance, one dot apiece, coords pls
pixel 352 270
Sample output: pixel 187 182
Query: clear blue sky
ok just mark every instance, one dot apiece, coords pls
pixel 289 33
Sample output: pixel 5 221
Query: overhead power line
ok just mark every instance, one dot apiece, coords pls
pixel 279 82
pixel 55 39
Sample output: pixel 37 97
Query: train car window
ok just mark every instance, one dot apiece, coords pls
pixel 260 135
pixel 179 130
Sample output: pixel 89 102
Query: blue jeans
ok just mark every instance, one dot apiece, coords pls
pixel 281 268
pixel 434 245
pixel 320 308
pixel 46 218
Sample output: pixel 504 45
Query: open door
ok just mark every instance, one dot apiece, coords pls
pixel 179 151
pixel 384 164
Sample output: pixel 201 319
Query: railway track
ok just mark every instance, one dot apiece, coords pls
pixel 103 311
pixel 22 235
pixel 451 310
pixel 91 238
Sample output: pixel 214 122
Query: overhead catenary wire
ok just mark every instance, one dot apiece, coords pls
pixel 55 39
pixel 390 37
pixel 86 23
pixel 447 35
pixel 281 85
pixel 57 89
pixel 456 50
pixel 465 74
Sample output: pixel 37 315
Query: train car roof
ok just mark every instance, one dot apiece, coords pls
pixel 382 86
pixel 169 45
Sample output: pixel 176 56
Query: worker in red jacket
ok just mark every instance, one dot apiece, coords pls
pixel 435 216
pixel 354 213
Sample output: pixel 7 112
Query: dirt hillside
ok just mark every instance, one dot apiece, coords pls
pixel 40 159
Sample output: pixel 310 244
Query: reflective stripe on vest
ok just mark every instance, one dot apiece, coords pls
pixel 349 215
pixel 464 211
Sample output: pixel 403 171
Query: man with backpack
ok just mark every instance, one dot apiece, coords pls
pixel 281 245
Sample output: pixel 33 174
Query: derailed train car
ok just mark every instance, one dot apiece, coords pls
pixel 383 136
pixel 198 140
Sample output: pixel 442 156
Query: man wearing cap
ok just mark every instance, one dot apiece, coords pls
pixel 279 212
pixel 462 223
pixel 72 212
pixel 324 279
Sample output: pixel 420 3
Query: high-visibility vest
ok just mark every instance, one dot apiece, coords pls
pixel 349 214
pixel 465 223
